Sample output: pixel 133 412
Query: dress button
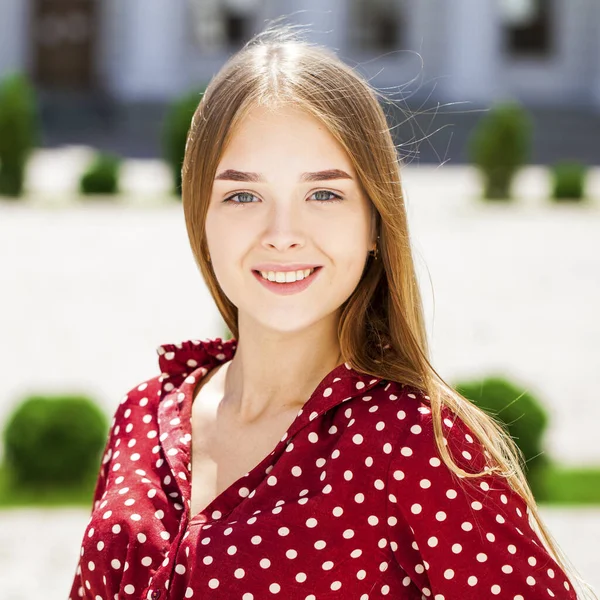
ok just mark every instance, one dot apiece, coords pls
pixel 155 594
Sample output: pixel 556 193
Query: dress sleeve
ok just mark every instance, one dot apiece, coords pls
pixel 77 587
pixel 459 537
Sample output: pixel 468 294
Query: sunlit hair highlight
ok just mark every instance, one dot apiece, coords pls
pixel 382 326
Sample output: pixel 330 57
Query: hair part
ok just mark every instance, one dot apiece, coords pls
pixel 279 67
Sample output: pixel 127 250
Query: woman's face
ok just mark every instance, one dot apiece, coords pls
pixel 294 200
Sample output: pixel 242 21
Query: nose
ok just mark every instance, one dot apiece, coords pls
pixel 284 230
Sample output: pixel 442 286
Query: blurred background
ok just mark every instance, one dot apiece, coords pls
pixel 495 109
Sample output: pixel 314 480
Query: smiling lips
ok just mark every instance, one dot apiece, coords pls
pixel 287 282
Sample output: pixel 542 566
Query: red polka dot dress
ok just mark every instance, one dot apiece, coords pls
pixel 354 502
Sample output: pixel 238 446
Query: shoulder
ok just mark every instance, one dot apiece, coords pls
pixel 142 399
pixel 404 418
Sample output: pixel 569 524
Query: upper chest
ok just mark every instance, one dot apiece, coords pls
pixel 222 450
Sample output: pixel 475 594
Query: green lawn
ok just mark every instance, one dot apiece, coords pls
pixel 572 485
pixel 12 496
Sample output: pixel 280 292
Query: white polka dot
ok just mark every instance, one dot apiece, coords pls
pixel 472 580
pixel 440 515
pixel 507 569
pixel 415 509
pixel 312 522
pixel 357 438
pixel 359 498
pixel 512 549
pixel 435 462
pixel 476 505
pixel 481 557
pixel 432 542
pixel 265 563
pixel 115 563
pixel 406 451
pixel 146 561
pixel 129 589
pixel 313 438
pixel 239 573
pixel 448 573
pixel 189 592
pixel 274 588
pixel 496 590
pixel 372 520
pixel 327 565
pixel 425 483
pixel 291 553
pixel 466 526
pixel 451 494
pixel 213 583
pixel 530 580
pixel 456 548
pixel 320 544
pixel 180 569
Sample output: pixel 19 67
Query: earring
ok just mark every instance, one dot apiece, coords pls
pixel 374 252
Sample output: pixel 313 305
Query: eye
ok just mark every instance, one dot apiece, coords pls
pixel 324 200
pixel 336 197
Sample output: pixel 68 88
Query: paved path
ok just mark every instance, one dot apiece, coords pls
pixel 38 549
pixel 90 289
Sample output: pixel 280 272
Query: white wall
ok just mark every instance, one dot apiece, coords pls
pixel 473 51
pixel 14 35
pixel 143 48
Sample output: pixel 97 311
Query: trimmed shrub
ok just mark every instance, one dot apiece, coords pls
pixel 51 441
pixel 19 132
pixel 499 146
pixel 175 130
pixel 522 416
pixel 568 180
pixel 102 175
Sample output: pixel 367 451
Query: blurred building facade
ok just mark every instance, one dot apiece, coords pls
pixel 542 52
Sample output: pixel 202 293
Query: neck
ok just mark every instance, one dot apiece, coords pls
pixel 272 373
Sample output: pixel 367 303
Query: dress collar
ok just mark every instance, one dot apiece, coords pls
pixel 178 361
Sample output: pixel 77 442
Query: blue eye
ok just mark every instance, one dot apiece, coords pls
pixel 334 198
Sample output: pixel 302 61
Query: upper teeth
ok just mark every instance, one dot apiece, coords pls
pixel 286 276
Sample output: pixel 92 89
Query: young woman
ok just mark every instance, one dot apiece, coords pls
pixel 317 453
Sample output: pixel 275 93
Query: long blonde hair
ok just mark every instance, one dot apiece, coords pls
pixel 279 67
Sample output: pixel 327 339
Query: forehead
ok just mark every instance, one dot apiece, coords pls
pixel 285 137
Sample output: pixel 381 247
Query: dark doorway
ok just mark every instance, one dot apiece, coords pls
pixel 63 35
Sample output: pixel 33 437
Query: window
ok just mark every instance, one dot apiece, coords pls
pixel 377 25
pixel 223 24
pixel 528 27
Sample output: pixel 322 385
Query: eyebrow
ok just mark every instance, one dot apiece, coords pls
pixel 233 175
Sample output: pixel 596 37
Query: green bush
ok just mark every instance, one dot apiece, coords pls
pixel 175 129
pixel 523 417
pixel 499 146
pixel 568 180
pixel 102 175
pixel 51 441
pixel 19 132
